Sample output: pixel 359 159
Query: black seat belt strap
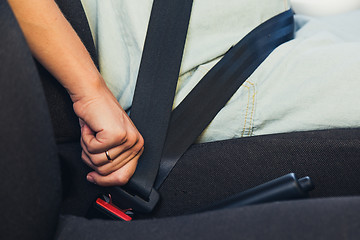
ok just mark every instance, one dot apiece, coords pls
pixel 188 120
pixel 153 97
pixel 216 88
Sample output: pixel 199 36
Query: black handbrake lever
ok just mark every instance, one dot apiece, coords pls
pixel 287 187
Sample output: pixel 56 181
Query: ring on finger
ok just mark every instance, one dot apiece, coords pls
pixel 108 156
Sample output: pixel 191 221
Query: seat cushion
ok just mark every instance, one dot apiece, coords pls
pixel 331 218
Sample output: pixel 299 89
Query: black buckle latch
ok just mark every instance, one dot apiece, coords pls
pixel 123 198
pixel 121 205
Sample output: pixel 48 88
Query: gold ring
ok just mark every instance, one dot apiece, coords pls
pixel 108 156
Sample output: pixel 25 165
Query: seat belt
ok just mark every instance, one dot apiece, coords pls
pixel 153 97
pixel 188 120
pixel 216 88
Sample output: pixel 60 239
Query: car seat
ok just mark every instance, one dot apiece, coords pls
pixel 34 208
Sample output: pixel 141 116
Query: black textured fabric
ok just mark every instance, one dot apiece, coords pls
pixel 78 193
pixel 212 171
pixel 64 120
pixel 336 218
pixel 29 168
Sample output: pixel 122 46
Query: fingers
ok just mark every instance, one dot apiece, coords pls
pixel 94 144
pixel 103 140
pixel 99 159
pixel 107 166
pixel 117 178
pixel 124 149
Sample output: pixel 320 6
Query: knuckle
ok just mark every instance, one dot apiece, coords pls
pixel 141 141
pixel 137 148
pixel 132 138
pixel 96 161
pixel 85 140
pixel 120 137
pixel 122 179
pixel 102 171
pixel 91 149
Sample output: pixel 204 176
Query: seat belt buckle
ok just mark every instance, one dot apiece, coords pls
pixel 125 199
pixel 105 205
pixel 119 204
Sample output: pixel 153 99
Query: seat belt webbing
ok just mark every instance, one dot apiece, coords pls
pixel 216 88
pixel 155 89
pixel 188 120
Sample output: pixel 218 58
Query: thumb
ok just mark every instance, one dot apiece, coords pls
pixel 118 178
pixel 85 129
pixel 92 144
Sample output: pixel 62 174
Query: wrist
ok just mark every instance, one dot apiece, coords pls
pixel 87 88
pixel 92 94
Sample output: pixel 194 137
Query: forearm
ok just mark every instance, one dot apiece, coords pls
pixel 105 127
pixel 55 44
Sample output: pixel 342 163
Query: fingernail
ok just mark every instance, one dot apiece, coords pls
pixel 90 179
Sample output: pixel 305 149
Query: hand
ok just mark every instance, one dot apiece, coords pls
pixel 104 124
pixel 105 127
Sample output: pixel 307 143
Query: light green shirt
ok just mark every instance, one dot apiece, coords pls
pixel 290 91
